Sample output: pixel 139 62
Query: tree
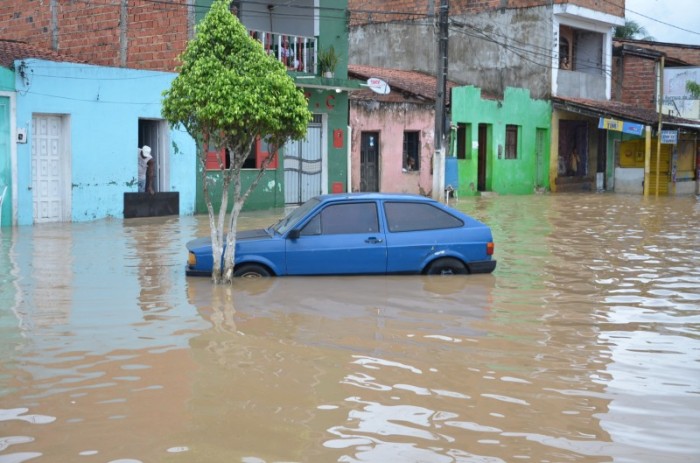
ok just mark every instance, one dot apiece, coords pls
pixel 693 88
pixel 230 93
pixel 632 30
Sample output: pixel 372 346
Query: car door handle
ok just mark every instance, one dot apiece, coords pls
pixel 373 240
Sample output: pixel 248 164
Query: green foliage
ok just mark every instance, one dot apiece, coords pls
pixel 228 86
pixel 230 93
pixel 693 88
pixel 632 30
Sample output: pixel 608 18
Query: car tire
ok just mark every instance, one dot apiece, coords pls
pixel 251 271
pixel 446 266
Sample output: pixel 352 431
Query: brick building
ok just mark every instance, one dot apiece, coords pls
pixel 636 68
pixel 139 34
pixel 544 48
pixel 151 34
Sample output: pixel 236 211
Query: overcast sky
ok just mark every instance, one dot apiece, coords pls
pixel 674 21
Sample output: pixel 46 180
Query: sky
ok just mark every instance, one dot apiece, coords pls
pixel 674 21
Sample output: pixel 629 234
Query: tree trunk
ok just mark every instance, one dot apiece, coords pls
pixel 238 202
pixel 230 254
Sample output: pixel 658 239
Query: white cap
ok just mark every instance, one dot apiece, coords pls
pixel 146 152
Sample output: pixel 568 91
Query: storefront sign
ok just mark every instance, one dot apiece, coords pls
pixel 669 137
pixel 621 126
pixel 632 128
pixel 610 124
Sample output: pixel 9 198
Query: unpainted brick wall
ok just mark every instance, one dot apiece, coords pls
pixel 368 11
pixel 688 53
pixel 634 81
pixel 90 31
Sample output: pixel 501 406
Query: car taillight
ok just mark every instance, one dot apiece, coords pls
pixel 191 260
pixel 489 248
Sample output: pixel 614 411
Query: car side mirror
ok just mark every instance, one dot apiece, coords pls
pixel 294 234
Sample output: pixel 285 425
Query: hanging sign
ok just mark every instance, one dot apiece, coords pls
pixel 633 128
pixel 610 124
pixel 669 137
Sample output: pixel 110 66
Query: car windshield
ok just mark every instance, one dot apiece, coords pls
pixel 293 217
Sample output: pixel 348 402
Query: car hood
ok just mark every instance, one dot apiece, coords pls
pixel 252 234
pixel 242 235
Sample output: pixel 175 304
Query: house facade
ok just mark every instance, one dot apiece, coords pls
pixel 148 35
pixel 297 35
pixel 642 70
pixel 59 174
pixel 548 49
pixel 393 130
pixel 501 145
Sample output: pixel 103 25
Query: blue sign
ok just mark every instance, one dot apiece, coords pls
pixel 632 128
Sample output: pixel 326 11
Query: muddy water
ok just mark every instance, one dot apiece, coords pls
pixel 583 346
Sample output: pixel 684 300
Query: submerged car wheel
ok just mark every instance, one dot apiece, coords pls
pixel 251 271
pixel 446 266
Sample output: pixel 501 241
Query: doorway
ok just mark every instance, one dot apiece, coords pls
pixel 154 133
pixel 51 168
pixel 484 130
pixel 369 161
pixel 303 164
pixel 540 166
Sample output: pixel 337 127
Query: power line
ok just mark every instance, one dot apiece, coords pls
pixel 627 10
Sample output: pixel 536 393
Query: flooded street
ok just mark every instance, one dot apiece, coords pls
pixel 582 346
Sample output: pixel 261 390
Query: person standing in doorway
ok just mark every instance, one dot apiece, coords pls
pixel 145 170
pixel 574 162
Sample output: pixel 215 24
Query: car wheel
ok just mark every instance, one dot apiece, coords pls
pixel 446 266
pixel 251 271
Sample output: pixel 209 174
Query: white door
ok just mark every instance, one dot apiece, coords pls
pixel 50 170
pixel 303 165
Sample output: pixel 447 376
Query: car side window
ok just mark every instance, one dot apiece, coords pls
pixel 342 219
pixel 405 216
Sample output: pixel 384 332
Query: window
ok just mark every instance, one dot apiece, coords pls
pixel 217 159
pixel 338 219
pixel 581 50
pixel 564 52
pixel 403 216
pixel 258 153
pixel 411 151
pixel 512 141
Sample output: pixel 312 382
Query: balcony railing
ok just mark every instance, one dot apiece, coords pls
pixel 296 52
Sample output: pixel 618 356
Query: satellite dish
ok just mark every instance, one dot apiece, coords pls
pixel 378 86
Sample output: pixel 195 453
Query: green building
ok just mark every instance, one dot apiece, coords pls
pixel 299 35
pixel 500 146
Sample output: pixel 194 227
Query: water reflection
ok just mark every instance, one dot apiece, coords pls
pixel 582 346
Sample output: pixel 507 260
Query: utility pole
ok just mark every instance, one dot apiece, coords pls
pixel 440 101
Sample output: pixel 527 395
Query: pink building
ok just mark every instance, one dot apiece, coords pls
pixel 392 134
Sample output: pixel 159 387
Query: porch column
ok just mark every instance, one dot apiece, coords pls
pixel 647 159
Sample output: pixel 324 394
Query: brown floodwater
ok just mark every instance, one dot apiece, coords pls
pixel 582 346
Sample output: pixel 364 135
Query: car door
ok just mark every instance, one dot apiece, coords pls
pixel 418 231
pixel 340 239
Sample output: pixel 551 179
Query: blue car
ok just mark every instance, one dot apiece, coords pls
pixel 359 234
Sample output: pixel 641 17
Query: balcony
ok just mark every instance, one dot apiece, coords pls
pixel 576 84
pixel 296 52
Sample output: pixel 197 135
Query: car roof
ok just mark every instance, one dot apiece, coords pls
pixel 373 196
